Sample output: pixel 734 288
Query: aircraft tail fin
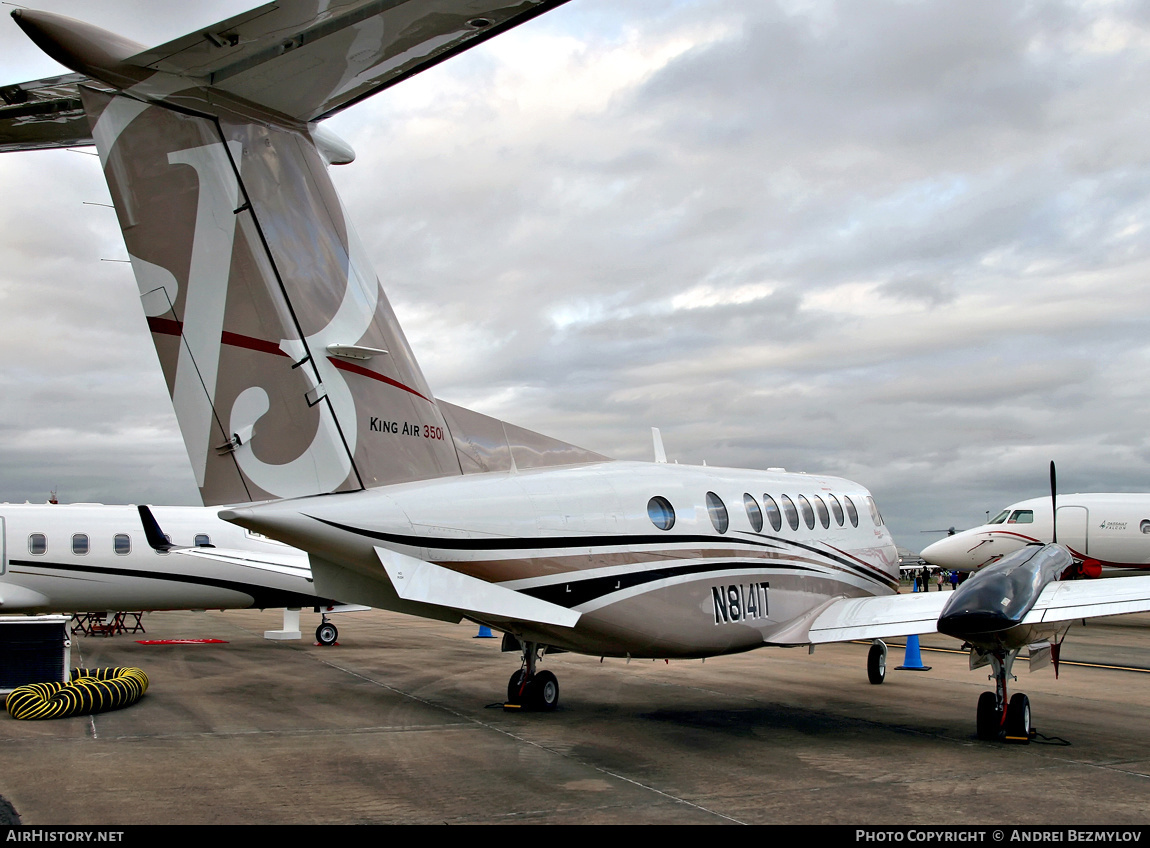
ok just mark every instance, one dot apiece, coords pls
pixel 287 367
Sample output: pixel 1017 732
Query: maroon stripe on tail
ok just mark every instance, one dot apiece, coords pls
pixel 169 327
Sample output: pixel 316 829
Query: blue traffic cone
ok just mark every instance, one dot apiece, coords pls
pixel 913 659
pixel 484 633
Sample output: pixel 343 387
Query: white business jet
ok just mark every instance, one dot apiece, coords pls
pixel 305 412
pixel 1109 531
pixel 99 558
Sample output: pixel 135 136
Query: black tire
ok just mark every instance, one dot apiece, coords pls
pixel 544 691
pixel 1018 719
pixel 989 720
pixel 326 633
pixel 513 687
pixel 876 664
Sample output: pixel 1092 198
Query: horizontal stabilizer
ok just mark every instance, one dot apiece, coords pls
pixel 310 60
pixel 44 114
pixel 292 563
pixel 425 582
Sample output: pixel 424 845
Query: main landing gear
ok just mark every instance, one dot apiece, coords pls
pixel 326 633
pixel 876 662
pixel 997 717
pixel 530 689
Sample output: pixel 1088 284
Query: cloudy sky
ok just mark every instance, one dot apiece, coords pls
pixel 901 242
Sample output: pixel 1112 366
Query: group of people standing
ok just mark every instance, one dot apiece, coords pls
pixel 939 577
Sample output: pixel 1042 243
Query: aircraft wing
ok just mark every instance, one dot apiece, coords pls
pixel 1068 600
pixel 884 616
pixel 878 617
pixel 310 59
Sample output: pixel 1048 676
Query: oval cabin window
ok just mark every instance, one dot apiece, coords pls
pixel 661 513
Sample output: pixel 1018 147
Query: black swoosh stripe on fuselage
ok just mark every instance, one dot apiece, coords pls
pixel 556 542
pixel 262 596
pixel 581 591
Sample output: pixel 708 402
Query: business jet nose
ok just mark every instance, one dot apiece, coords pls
pixel 949 553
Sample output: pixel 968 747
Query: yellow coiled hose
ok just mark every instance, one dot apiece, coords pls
pixel 91 690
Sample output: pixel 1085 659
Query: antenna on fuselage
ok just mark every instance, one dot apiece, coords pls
pixel 657 438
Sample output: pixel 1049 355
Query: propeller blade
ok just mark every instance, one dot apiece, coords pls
pixel 1054 501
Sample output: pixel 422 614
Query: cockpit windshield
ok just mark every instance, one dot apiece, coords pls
pixel 1022 516
pixel 1001 517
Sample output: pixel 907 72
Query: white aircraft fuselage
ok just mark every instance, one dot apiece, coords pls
pixel 583 539
pixel 94 558
pixel 1101 530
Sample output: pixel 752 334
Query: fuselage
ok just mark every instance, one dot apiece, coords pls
pixel 660 560
pixel 94 557
pixel 1109 530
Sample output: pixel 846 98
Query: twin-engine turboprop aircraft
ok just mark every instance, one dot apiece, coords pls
pixel 101 558
pixel 1100 530
pixel 304 410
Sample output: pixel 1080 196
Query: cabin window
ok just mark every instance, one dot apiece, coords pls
pixel 852 513
pixel 875 516
pixel 37 544
pixel 773 514
pixel 718 512
pixel 821 509
pixel 80 544
pixel 661 513
pixel 203 540
pixel 790 511
pixel 1022 516
pixel 1001 517
pixel 1145 525
pixel 836 509
pixel 808 513
pixel 754 514
pixel 122 544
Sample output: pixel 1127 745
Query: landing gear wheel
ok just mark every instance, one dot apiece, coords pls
pixel 1018 719
pixel 326 633
pixel 516 692
pixel 989 720
pixel 544 691
pixel 876 663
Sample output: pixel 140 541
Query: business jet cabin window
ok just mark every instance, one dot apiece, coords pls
pixel 837 509
pixel 718 512
pixel 773 514
pixel 661 513
pixel 37 544
pixel 821 509
pixel 754 514
pixel 852 512
pixel 80 544
pixel 808 513
pixel 790 511
pixel 122 544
